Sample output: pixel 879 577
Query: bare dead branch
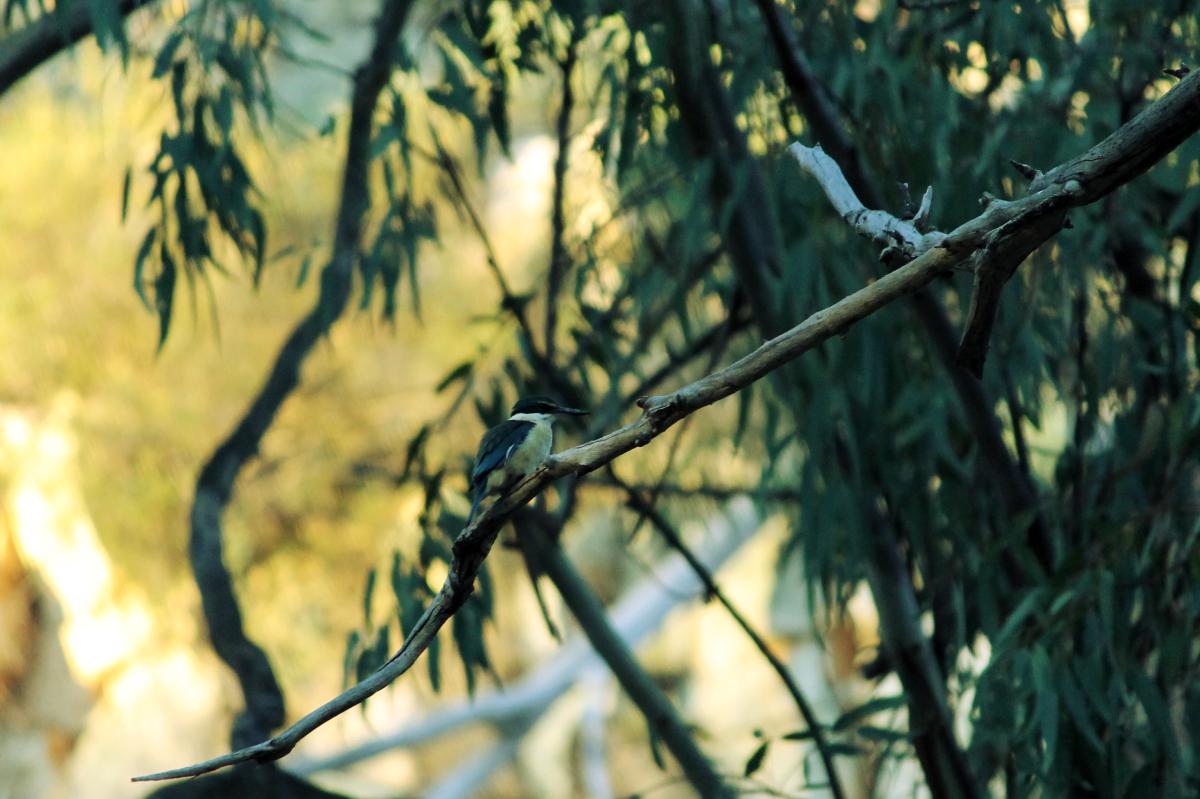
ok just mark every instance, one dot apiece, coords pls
pixel 1127 152
pixel 1014 486
pixel 994 264
pixel 1134 147
pixel 879 226
pixel 921 218
pixel 659 413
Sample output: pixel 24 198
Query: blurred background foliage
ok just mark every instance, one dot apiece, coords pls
pixel 592 200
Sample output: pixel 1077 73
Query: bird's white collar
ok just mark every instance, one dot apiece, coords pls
pixel 536 418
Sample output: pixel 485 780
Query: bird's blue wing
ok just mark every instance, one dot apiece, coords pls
pixel 496 446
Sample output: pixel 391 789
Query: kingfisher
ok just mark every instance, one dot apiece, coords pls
pixel 515 448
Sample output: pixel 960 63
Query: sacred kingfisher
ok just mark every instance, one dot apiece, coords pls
pixel 515 448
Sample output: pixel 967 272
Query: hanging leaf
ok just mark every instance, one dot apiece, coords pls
pixel 866 710
pixel 756 759
pixel 368 594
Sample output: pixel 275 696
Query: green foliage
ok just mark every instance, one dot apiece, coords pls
pixel 412 593
pixel 214 60
pixel 1080 664
pixel 944 97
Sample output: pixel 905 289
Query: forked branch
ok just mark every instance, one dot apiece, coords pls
pixel 1132 149
pixel 1127 152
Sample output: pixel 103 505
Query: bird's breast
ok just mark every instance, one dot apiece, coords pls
pixel 526 456
pixel 530 453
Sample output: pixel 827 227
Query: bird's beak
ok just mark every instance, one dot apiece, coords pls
pixel 571 411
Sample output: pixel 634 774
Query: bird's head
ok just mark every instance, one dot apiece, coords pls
pixel 543 408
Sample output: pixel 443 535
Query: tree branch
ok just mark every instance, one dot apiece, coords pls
pixel 878 226
pixel 993 264
pixel 667 725
pixel 704 107
pixel 1015 487
pixel 509 300
pixel 214 486
pixel 661 412
pixel 639 612
pixel 660 523
pixel 1127 152
pixel 26 49
pixel 558 250
pixel 909 652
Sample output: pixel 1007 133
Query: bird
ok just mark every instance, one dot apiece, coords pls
pixel 515 448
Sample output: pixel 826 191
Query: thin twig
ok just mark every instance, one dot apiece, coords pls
pixel 646 509
pixel 718 493
pixel 737 322
pixel 558 250
pixel 1016 417
pixel 716 348
pixel 662 717
pixel 511 302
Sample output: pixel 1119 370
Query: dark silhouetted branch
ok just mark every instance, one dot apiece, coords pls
pixel 667 725
pixel 27 48
pixel 214 486
pixel 667 531
pixel 814 101
pixel 558 223
pixel 909 653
